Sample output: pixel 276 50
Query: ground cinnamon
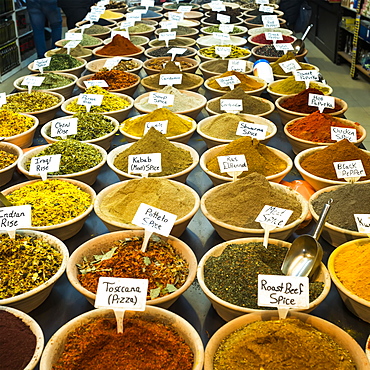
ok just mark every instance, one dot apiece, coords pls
pixel 119 46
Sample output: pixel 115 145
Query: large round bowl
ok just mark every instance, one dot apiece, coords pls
pixel 206 41
pixel 305 67
pixel 97 64
pixel 179 176
pixel 168 6
pixel 119 115
pixel 36 330
pixel 30 300
pixel 55 346
pixel 229 311
pixel 300 57
pixel 149 33
pixel 193 52
pixel 205 22
pixel 74 71
pixel 134 55
pixel 88 176
pixel 151 71
pixel 178 227
pixel 204 67
pixel 67 229
pixel 6 173
pixel 102 242
pixel 243 32
pixel 339 335
pixel 315 181
pixel 204 58
pixel 253 25
pixel 87 57
pixel 298 145
pixel 259 30
pixel 229 232
pixel 192 15
pixel 357 305
pixel 102 141
pixel 250 41
pixel 59 44
pixel 179 41
pixel 193 33
pixel 101 36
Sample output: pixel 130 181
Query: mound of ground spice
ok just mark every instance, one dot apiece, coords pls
pixel 119 46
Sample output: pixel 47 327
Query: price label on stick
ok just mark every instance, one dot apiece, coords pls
pixel 97 9
pixel 321 101
pixel 72 44
pixel 123 33
pixel 266 9
pixel 145 163
pixel 175 51
pixel 40 64
pixel 231 105
pixel 92 17
pixel 349 170
pixel 166 36
pixel 89 100
pixel 362 222
pixel 221 36
pixel 217 6
pixel 147 3
pixel 32 81
pixel 274 216
pixel 226 28
pixel 290 66
pixel 222 18
pixel 273 36
pixel 253 130
pixel 184 9
pixel 223 51
pixel 112 62
pixel 262 2
pixel 44 164
pixel 2 98
pixel 126 24
pixel 15 217
pixel 174 16
pixel 228 81
pixel 64 127
pixel 270 21
pixel 283 46
pixel 73 36
pixel 101 83
pixel 237 65
pixel 233 165
pixel 160 126
pixel 170 79
pixel 340 133
pixel 169 25
pixel 161 100
pixel 135 17
pixel 304 75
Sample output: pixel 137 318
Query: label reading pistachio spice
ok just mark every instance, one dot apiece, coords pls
pixel 231 163
pixel 362 222
pixel 64 127
pixel 253 130
pixel 274 216
pixel 145 163
pixel 340 133
pixel 237 65
pixel 231 105
pixel 162 100
pixel 40 64
pixel 270 21
pixel 349 169
pixel 15 217
pixel 160 126
pixel 321 101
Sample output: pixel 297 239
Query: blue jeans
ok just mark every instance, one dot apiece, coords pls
pixel 40 11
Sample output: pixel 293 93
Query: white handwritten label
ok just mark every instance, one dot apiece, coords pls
pixel 163 100
pixel 254 130
pixel 33 80
pixel 221 36
pixel 348 169
pixel 102 2
pixel 176 51
pixel 231 163
pixel 340 133
pixel 362 222
pixel 92 17
pixel 101 83
pixel 123 33
pixel 124 293
pixel 184 9
pixel 223 51
pixel 83 27
pixel 45 163
pixel 112 62
pixel 90 99
pixel 166 36
pixel 228 81
pixel 274 216
pixel 126 24
pixel 266 9
pixel 273 35
pixel 72 44
pixel 217 6
pixel 262 1
pixel 283 291
pixel 154 219
pixel 283 46
pixel 64 127
pixel 73 36
pixel 2 98
pixel 97 9
pixel 169 25
pixel 40 64
pixel 160 126
pixel 15 217
pixel 177 17
pixel 226 28
pixel 147 3
pixel 270 21
pixel 170 79
pixel 140 11
pixel 237 65
pixel 321 101
pixel 290 65
pixel 304 75
pixel 222 18
pixel 145 163
pixel 133 17
pixel 231 105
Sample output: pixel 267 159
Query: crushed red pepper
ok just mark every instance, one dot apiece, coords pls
pixel 144 345
pixel 116 79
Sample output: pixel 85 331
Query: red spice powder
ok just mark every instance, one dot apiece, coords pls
pixel 261 39
pixel 119 46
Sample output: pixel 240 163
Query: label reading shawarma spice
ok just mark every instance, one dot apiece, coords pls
pixel 254 130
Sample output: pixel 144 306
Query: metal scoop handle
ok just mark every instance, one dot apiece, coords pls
pixel 306 32
pixel 322 219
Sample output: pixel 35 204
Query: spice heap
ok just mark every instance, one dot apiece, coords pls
pixel 108 14
pixel 35 101
pixel 316 127
pixel 52 81
pixel 110 102
pixel 233 275
pixel 320 163
pixel 138 28
pixel 239 203
pixel 251 104
pixel 60 62
pixel 269 51
pixel 123 65
pixel 6 159
pixel 246 83
pixel 90 126
pixel 97 345
pixel 12 123
pixel 33 262
pixel 119 46
pixel 163 52
pixel 138 40
pixel 77 51
pixel 176 125
pixel 353 198
pixel 236 52
pixel 180 30
pixel 161 264
pixel 18 343
pixel 259 157
pixel 150 14
pixel 115 79
pixel 76 156
pixel 271 345
pixel 217 66
pixel 87 40
pixel 223 126
pixel 121 204
pixel 212 29
pixel 277 70
pixel 299 103
pixel 173 158
pixel 95 29
pixel 52 201
pixel 261 39
pixel 158 63
pixel 290 86
pixel 183 41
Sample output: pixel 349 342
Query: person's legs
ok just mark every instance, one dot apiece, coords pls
pixel 54 16
pixel 74 15
pixel 37 19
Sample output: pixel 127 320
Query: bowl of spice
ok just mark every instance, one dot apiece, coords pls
pixel 270 162
pixel 157 9
pixel 228 275
pixel 88 42
pixel 120 47
pixel 136 40
pixel 212 68
pixel 79 161
pixel 95 30
pixel 174 6
pixel 131 65
pixel 63 63
pixel 228 4
pixel 188 103
pixel 78 51
pixel 340 226
pixel 118 81
pixel 41 104
pixel 62 83
pixel 155 65
pixel 192 15
pixel 102 22
pixel 9 156
pixel 22 340
pixel 237 30
pixel 141 29
pixel 94 128
pixel 259 30
pixel 315 130
pixel 117 204
pixel 115 105
pixel 38 260
pixel 251 104
pixel 109 14
pixel 263 340
pixel 350 275
pixel 177 159
pixel 316 164
pixel 17 128
pixel 221 129
pixel 168 263
pixel 180 128
pixel 189 32
pixel 256 22
pixel 260 39
pixel 269 53
pixel 60 206
pixel 296 106
pixel 177 42
pixel 251 85
pixel 233 207
pixel 209 53
pixel 163 51
pixel 155 337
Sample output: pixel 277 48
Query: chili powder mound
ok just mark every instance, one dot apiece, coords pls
pixel 143 345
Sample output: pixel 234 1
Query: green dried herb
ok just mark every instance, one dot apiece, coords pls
pixel 52 81
pixel 87 40
pixel 60 62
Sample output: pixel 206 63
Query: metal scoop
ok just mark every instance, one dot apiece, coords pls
pixel 298 45
pixel 305 253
